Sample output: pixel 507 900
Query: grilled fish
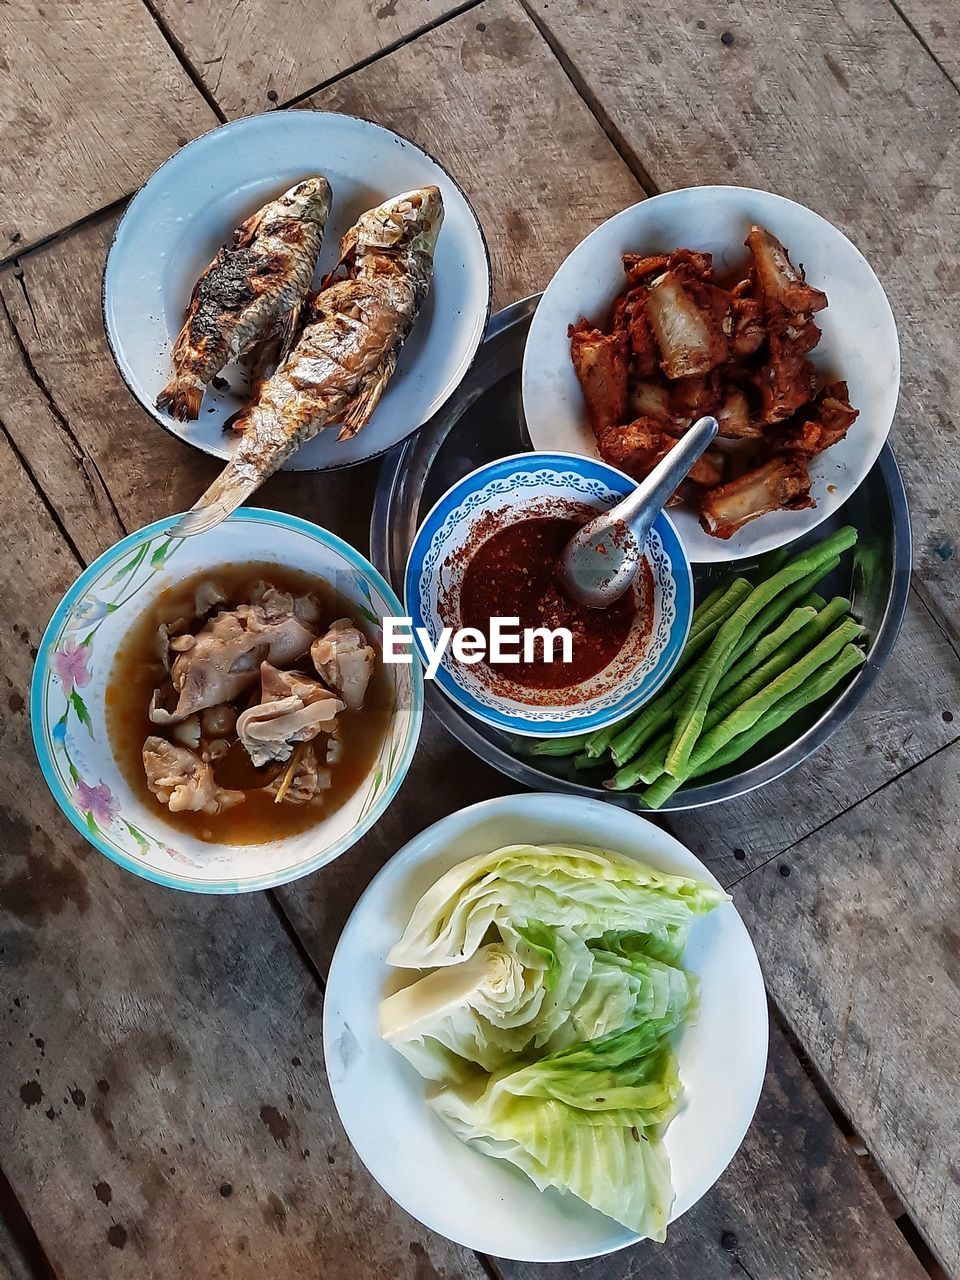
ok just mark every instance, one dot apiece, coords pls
pixel 248 299
pixel 346 353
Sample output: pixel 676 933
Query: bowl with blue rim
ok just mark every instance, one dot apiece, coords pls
pixel 531 486
pixel 75 669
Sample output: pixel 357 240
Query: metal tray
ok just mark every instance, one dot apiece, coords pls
pixel 484 420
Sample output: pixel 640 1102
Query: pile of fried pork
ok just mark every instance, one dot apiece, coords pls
pixel 681 344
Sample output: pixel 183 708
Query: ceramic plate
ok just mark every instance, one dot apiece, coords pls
pixel 483 1203
pixel 73 667
pixel 859 340
pixel 524 485
pixel 175 224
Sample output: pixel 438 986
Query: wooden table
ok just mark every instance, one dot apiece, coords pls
pixel 164 1107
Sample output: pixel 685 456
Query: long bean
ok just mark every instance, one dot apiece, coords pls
pixel 630 736
pixel 813 688
pixel 811 625
pixel 711 666
pixel 799 632
pixel 569 745
pixel 796 594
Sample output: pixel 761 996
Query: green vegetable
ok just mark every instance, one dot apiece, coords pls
pixel 820 683
pixel 586 1121
pixel 745 716
pixel 577 888
pixel 556 986
pixel 711 667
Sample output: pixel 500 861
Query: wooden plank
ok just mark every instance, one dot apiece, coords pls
pixel 792 1205
pixel 92 99
pixel 840 107
pixel 164 1105
pixel 13 1264
pixel 509 93
pixel 913 711
pixel 270 51
pixel 103 464
pixel 492 103
pixel 857 932
pixel 938 27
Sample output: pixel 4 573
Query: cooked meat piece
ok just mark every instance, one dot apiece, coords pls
pixel 182 781
pixel 218 722
pixel 186 733
pixel 686 323
pixel 221 665
pixel 820 424
pixel 345 660
pixel 693 397
pixel 288 623
pixel 786 381
pixel 170 637
pixel 226 658
pixel 207 597
pixel 782 483
pixel 307 779
pixel 642 269
pixel 645 356
pixel 636 447
pixel 601 363
pixel 649 399
pixel 734 416
pixel 748 330
pixel 780 282
pixel 293 708
pixel 709 469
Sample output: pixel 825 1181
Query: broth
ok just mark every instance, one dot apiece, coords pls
pixel 137 671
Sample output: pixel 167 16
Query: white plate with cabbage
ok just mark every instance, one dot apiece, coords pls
pixel 545 1028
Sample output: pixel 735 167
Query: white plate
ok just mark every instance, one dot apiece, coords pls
pixel 483 1203
pixel 859 340
pixel 190 207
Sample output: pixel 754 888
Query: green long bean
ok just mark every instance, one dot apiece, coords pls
pixel 629 737
pixel 800 632
pixel 813 688
pixel 710 668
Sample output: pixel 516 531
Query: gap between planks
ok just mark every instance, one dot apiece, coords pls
pixel 13 1212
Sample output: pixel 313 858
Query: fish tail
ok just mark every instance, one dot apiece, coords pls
pixel 227 492
pixel 181 397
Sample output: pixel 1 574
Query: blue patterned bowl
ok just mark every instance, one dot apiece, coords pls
pixel 73 668
pixel 518 487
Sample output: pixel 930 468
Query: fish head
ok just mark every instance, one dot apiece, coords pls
pixel 309 200
pixel 411 219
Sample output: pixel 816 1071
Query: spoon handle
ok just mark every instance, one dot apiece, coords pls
pixel 652 493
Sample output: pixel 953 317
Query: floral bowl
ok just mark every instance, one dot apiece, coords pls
pixel 73 667
pixel 527 485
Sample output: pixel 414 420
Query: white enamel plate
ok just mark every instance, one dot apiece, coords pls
pixel 859 342
pixel 469 1197
pixel 191 206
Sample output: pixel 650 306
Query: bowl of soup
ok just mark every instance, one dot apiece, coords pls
pixel 518 653
pixel 214 713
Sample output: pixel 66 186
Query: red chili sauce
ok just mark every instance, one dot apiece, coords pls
pixel 513 574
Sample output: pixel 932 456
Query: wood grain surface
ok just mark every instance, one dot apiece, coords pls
pixel 857 930
pixel 167 1085
pixel 92 100
pixel 793 1205
pixel 263 52
pixel 840 107
pixel 163 1104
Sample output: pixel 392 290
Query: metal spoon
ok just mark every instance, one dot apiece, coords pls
pixel 601 560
